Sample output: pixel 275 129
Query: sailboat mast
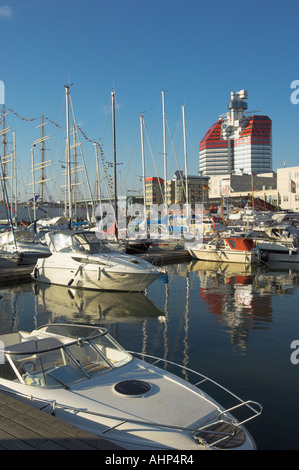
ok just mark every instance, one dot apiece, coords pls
pixel 164 147
pixel 43 159
pixel 114 158
pixel 33 182
pixel 185 155
pixel 15 177
pixel 4 147
pixel 67 91
pixel 75 171
pixel 98 187
pixel 7 202
pixel 143 162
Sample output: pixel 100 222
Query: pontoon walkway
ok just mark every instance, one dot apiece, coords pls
pixel 22 427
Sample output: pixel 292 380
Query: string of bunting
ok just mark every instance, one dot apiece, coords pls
pixel 104 162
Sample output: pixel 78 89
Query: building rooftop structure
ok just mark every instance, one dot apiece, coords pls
pixel 237 141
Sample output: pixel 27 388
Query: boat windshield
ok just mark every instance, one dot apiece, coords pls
pixel 63 360
pixel 78 242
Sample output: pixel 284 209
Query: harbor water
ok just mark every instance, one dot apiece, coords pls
pixel 233 324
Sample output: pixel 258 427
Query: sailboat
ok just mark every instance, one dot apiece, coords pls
pixel 11 253
pixel 163 240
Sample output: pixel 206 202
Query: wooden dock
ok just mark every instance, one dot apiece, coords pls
pixel 22 427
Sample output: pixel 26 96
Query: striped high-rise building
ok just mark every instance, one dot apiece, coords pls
pixel 237 141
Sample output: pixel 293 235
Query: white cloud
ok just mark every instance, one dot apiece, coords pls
pixel 5 12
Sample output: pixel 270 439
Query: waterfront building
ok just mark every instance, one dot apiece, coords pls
pixel 237 141
pixel 154 191
pixel 279 189
pixel 196 186
pixel 288 187
pixel 239 182
pixel 198 190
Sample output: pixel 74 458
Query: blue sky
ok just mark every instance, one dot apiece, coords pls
pixel 197 51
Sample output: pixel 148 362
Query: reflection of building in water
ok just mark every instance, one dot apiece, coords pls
pixel 240 297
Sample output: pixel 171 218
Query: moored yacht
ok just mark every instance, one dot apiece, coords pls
pixel 9 260
pixel 276 246
pixel 228 249
pixel 83 376
pixel 82 260
pixel 24 243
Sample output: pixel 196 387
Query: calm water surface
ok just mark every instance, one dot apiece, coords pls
pixel 233 326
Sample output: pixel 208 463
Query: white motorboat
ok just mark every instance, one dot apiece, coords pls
pixel 226 249
pixel 276 248
pixel 167 245
pixel 24 243
pixel 82 260
pixel 83 376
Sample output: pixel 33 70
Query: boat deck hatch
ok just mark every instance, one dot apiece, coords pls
pixel 132 387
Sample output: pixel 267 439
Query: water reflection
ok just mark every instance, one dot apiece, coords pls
pixel 240 296
pixel 49 303
pixel 85 306
pixel 230 322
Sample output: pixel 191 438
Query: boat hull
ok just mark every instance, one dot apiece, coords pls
pixel 9 261
pixel 124 420
pixel 81 375
pixel 279 252
pixel 228 256
pixel 95 274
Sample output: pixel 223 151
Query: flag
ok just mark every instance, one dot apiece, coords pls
pixel 293 186
pixel 36 198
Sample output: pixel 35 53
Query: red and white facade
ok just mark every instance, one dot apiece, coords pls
pixel 237 142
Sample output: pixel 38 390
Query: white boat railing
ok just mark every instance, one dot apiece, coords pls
pixel 241 403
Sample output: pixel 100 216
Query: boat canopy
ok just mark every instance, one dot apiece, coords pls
pixel 60 355
pixel 240 243
pixel 76 241
pixel 18 235
pixel 34 346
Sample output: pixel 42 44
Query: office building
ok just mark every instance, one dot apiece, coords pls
pixel 237 141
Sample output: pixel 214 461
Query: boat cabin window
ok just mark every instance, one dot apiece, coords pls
pixel 62 360
pixel 47 369
pixel 231 243
pixel 94 339
pixel 88 243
